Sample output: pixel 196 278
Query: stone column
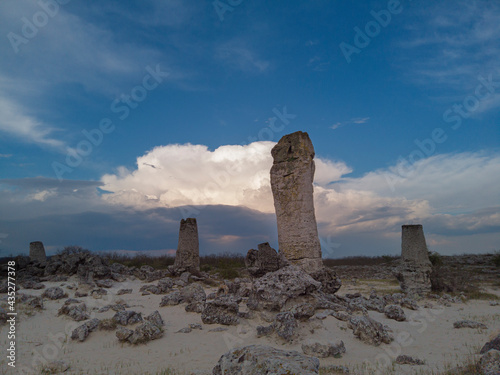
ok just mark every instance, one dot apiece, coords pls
pixel 187 257
pixel 414 272
pixel 292 177
pixel 37 251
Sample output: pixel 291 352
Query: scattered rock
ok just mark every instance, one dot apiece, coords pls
pixel 323 349
pixel 222 310
pixel 54 367
pixel 303 311
pixel 259 359
pixel 54 293
pixel 395 312
pixel 77 312
pixel 123 291
pixel 171 299
pixel 82 332
pixel 265 330
pixel 106 283
pixel 469 324
pixel 123 333
pixel 370 331
pixel 407 360
pixel 145 332
pixel 127 317
pixel 286 326
pixel 155 318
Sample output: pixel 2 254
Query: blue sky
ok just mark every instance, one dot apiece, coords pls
pixel 119 118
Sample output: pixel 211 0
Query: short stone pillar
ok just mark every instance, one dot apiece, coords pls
pixel 37 251
pixel 415 269
pixel 187 257
pixel 292 176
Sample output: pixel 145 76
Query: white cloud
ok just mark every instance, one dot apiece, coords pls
pixel 356 120
pixel 450 192
pixel 15 121
pixel 42 195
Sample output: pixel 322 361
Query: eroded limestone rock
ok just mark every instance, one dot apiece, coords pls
pixel 37 251
pixel 292 176
pixel 414 274
pixel 187 257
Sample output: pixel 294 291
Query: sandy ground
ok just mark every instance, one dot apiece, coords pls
pixel 428 334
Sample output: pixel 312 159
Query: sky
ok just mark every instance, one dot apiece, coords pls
pixel 120 118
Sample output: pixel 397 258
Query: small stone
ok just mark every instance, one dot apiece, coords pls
pixel 286 326
pixel 185 330
pixel 395 312
pixel 323 349
pixel 54 293
pixel 264 330
pixel 123 333
pixel 407 360
pixel 123 291
pixel 469 324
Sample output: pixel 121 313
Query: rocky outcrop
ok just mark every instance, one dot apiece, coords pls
pixel 266 259
pixel 286 287
pixel 259 359
pixel 187 257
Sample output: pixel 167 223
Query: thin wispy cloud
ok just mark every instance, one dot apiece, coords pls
pixel 356 120
pixel 460 43
pixel 241 57
pixel 16 122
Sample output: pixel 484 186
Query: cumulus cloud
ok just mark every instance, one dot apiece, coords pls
pixel 452 194
pixel 178 175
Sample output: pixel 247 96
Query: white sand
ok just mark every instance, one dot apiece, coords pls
pixel 428 335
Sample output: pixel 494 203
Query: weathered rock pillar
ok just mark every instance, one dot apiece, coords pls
pixel 415 270
pixel 37 251
pixel 292 177
pixel 187 257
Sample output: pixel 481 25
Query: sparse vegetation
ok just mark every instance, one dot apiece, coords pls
pixel 72 249
pixel 496 259
pixel 435 258
pixel 360 260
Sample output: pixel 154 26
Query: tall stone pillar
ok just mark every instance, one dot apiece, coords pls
pixel 187 257
pixel 415 270
pixel 292 177
pixel 37 251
